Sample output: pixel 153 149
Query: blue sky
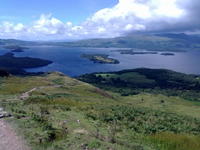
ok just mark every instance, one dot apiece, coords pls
pixel 76 11
pixel 81 19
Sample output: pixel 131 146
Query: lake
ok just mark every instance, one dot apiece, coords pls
pixel 69 61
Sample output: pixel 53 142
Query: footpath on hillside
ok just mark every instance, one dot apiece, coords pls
pixel 9 139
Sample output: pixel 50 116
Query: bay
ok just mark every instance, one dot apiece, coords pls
pixel 70 62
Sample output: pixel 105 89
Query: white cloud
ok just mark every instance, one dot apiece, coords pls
pixel 137 14
pixel 47 25
pixel 101 30
pixel 136 27
pixel 19 27
pixel 126 16
pixel 129 27
pixel 69 24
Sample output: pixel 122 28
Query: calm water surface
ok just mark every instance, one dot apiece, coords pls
pixel 69 61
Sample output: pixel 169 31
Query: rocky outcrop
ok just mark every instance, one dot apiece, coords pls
pixel 4 114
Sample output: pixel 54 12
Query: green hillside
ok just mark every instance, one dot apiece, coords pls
pixel 55 112
pixel 130 82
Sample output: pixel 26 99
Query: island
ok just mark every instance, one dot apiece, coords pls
pixel 132 52
pixel 167 54
pixel 100 58
pixel 16 65
pixel 15 48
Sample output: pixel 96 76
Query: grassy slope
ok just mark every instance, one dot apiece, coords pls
pixel 48 118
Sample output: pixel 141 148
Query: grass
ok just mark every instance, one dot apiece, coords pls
pixel 70 114
pixel 165 103
pixel 168 141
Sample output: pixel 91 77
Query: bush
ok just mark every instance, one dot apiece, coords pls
pixel 145 121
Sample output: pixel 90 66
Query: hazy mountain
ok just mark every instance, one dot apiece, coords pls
pixel 181 36
pixel 157 42
pixel 167 41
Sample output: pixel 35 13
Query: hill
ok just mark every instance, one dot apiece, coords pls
pixel 16 65
pixel 53 111
pixel 157 42
pixel 130 82
pixel 181 36
pixel 7 42
pixel 153 42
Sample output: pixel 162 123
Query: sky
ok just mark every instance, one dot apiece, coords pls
pixel 81 19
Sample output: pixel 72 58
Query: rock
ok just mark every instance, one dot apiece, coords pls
pixel 4 114
pixel 81 131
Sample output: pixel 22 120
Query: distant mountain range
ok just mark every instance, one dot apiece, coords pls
pixel 158 42
pixel 182 36
pixel 6 42
pixel 155 42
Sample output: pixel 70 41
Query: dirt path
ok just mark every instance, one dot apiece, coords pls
pixel 8 138
pixel 26 95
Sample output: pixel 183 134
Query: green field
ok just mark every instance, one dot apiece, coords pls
pixel 64 113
